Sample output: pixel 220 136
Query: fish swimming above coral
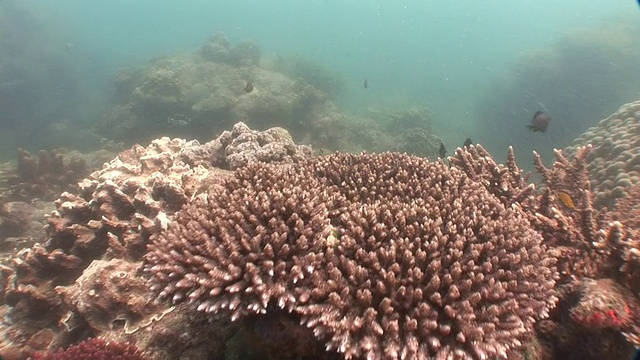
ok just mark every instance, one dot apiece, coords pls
pixel 540 122
pixel 442 152
pixel 467 143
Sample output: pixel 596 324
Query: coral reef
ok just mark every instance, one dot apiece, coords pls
pixel 382 256
pixel 297 67
pixel 28 187
pixel 614 162
pixel 382 129
pixel 108 294
pixel 410 130
pixel 22 224
pixel 217 48
pixel 344 256
pixel 243 145
pixel 589 246
pixel 203 93
pixel 44 176
pixel 85 272
pixel 93 349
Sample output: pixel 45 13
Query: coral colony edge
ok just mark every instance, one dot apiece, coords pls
pixel 250 247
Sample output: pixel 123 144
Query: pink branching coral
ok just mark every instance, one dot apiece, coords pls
pixel 93 349
pixel 588 243
pixel 383 256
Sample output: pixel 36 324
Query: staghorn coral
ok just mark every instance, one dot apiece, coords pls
pixel 382 256
pixel 627 213
pixel 614 162
pixel 589 245
pixel 581 237
pixel 93 349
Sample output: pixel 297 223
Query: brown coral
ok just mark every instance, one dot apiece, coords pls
pixel 107 294
pixel 44 176
pixel 383 256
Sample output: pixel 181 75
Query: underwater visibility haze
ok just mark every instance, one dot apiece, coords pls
pixel 319 179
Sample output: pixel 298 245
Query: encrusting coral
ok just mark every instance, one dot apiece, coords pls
pixel 382 256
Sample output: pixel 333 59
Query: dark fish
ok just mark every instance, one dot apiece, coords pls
pixel 366 83
pixel 249 87
pixel 442 152
pixel 540 122
pixel 467 142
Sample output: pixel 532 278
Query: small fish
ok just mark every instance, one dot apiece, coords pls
pixel 467 142
pixel 442 152
pixel 540 122
pixel 366 83
pixel 249 87
pixel 566 199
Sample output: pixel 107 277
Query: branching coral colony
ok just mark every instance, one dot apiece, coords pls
pixel 596 253
pixel 378 256
pixel 382 255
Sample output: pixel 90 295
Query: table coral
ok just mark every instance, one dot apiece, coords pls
pixel 382 256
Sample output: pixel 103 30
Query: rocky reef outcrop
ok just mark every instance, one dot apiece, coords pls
pixel 200 94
